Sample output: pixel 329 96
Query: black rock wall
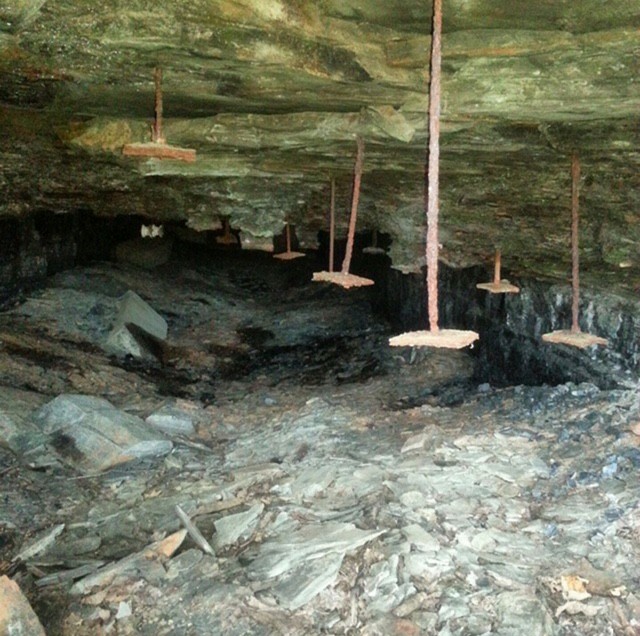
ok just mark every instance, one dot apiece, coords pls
pixel 23 260
pixel 39 245
pixel 510 350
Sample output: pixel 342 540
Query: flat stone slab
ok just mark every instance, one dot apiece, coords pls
pixel 231 528
pixel 133 310
pixel 121 340
pixel 285 553
pixel 91 435
pixel 160 550
pixel 308 580
pixel 172 420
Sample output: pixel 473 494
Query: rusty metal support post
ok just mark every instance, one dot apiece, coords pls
pixel 496 268
pixel 434 337
pixel 287 231
pixel 574 337
pixel 433 167
pixel 357 177
pixel 332 224
pixel 157 136
pixel 575 257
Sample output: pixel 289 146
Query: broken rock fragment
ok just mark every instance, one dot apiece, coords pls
pixel 16 431
pixel 16 615
pixel 231 528
pixel 308 560
pixel 308 580
pixel 134 310
pixel 172 420
pixel 91 435
pixel 161 551
pixel 134 320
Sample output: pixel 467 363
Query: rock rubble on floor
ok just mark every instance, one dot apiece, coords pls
pixel 378 502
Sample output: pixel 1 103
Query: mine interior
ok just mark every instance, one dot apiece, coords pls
pixel 283 403
pixel 201 433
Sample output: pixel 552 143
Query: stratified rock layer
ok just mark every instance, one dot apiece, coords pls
pixel 272 95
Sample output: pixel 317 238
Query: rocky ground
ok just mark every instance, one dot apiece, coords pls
pixel 300 476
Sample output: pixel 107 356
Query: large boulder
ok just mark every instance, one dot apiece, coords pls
pixel 16 615
pixel 91 435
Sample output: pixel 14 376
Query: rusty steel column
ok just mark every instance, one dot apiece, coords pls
pixel 288 236
pixel 357 177
pixel 496 268
pixel 575 257
pixel 433 168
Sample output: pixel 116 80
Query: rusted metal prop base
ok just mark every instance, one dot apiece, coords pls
pixel 154 150
pixel 158 148
pixel 502 287
pixel 441 339
pixel 574 339
pixel 288 256
pixel 373 248
pixel 498 286
pixel 344 280
pixel 227 238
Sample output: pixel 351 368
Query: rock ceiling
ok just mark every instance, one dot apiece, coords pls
pixel 272 94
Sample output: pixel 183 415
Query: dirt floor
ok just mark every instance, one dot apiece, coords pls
pixel 313 480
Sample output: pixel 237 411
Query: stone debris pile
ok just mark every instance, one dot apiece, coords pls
pixel 444 521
